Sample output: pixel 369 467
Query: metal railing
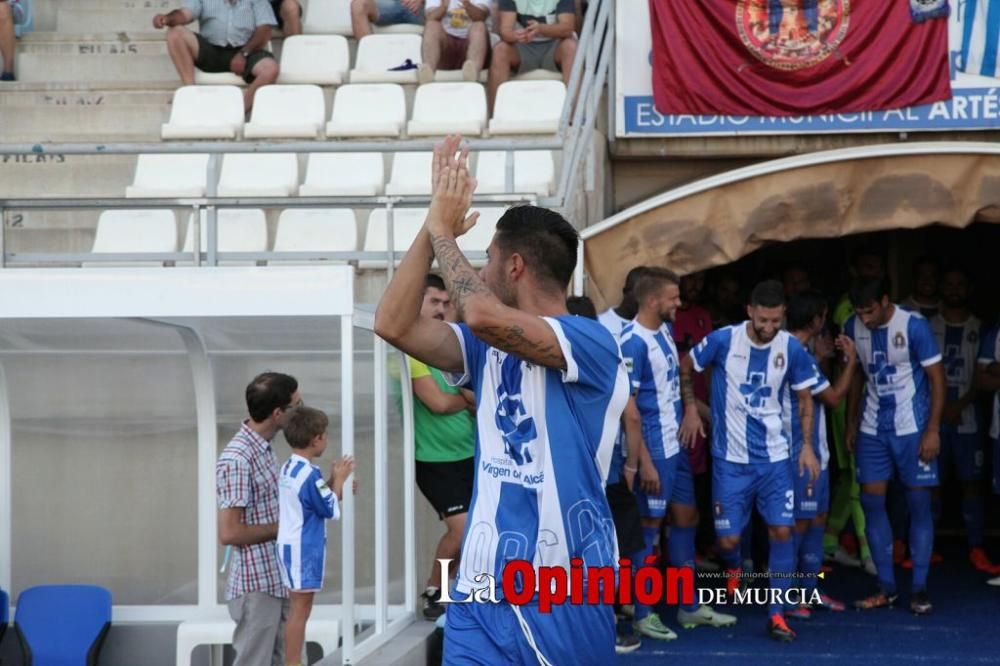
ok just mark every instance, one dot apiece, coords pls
pixel 573 141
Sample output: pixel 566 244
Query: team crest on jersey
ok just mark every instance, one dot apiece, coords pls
pixel 779 360
pixel 899 340
pixel 792 34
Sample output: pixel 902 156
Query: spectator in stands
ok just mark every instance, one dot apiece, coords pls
pixel 364 13
pixel 233 38
pixel 455 37
pixel 246 486
pixel 445 436
pixel 289 16
pixel 12 13
pixel 535 34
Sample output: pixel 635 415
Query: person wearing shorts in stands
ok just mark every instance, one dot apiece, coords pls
pixel 289 16
pixel 366 13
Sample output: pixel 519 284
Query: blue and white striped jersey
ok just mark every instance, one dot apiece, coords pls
pixel 610 320
pixel 543 445
pixel 897 397
pixel 793 426
pixel 654 371
pixel 306 503
pixel 959 345
pixel 989 352
pixel 745 397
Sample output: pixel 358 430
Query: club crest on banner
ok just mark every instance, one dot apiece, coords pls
pixel 792 34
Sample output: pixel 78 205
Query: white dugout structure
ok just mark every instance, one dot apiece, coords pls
pixel 118 389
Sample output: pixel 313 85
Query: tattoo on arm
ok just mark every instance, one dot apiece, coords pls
pixel 687 388
pixel 459 276
pixel 806 419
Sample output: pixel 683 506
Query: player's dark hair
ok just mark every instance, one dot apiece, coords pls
pixel 435 281
pixel 803 308
pixel 768 294
pixel 304 424
pixel 865 291
pixel 629 306
pixel 581 306
pixel 545 240
pixel 954 267
pixel 269 391
pixel 652 280
pixel 865 251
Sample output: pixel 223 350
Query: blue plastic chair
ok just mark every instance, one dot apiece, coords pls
pixel 62 625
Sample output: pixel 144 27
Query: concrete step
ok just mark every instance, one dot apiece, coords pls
pixel 76 17
pixel 127 122
pixel 96 67
pixel 27 176
pixel 84 99
pixel 50 240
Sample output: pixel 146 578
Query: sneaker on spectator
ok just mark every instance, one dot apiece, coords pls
pixel 432 606
pixel 8 76
pixel 844 558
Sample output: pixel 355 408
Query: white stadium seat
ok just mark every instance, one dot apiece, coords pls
pixel 205 112
pixel 367 110
pixel 287 112
pixel 327 17
pixel 134 231
pixel 406 225
pixel 411 174
pixel 528 107
pixel 239 230
pixel 534 172
pixel 448 108
pixel 398 29
pixel 316 230
pixel 344 174
pixel 479 237
pixel 538 75
pixel 378 53
pixel 165 175
pixel 259 175
pixel 319 59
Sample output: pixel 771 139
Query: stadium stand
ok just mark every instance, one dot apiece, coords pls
pixel 315 230
pixel 162 175
pixel 205 112
pixel 287 112
pixel 344 174
pixel 239 230
pixel 63 624
pixel 137 231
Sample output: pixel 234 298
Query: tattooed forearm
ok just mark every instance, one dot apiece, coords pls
pixel 806 417
pixel 460 277
pixel 687 388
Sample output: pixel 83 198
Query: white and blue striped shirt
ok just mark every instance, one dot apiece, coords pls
pixel 897 399
pixel 974 37
pixel 959 345
pixel 654 370
pixel 793 425
pixel 226 23
pixel 747 424
pixel 543 445
pixel 989 352
pixel 306 503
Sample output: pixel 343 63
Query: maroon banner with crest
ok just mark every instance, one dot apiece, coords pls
pixel 794 57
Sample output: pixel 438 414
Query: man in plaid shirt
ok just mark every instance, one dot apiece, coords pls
pixel 246 485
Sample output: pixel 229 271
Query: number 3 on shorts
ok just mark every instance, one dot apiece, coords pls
pixel 789 500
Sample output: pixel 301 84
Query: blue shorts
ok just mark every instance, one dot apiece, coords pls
pixel 494 634
pixel 811 499
pixel 961 453
pixel 736 485
pixel 301 568
pixel 676 486
pixel 879 455
pixel 392 12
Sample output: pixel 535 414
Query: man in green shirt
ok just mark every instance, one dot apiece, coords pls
pixel 445 434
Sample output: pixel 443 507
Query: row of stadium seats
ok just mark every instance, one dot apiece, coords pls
pixel 330 174
pixel 325 60
pixel 298 230
pixel 364 110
